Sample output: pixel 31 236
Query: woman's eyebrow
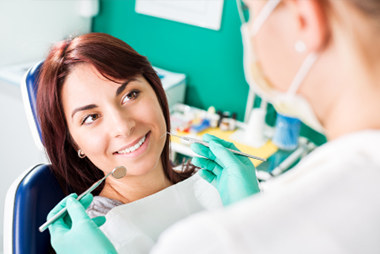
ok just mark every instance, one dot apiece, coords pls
pixel 122 87
pixel 87 107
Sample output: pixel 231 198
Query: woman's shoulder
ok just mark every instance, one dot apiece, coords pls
pixel 100 206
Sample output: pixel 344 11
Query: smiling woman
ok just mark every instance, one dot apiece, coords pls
pixel 81 79
pixel 101 105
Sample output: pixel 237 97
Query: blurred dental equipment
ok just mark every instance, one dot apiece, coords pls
pixel 304 148
pixel 286 132
pixel 117 173
pixel 254 132
pixel 193 140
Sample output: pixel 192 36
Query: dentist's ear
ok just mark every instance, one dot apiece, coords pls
pixel 311 21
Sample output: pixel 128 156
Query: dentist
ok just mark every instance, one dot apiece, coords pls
pixel 317 60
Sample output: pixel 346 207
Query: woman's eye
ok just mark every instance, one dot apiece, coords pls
pixel 90 118
pixel 131 96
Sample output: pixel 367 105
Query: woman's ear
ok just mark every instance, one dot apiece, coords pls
pixel 312 22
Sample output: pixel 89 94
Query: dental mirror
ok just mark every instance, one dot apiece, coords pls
pixel 118 173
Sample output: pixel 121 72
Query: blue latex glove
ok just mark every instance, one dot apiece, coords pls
pixel 76 233
pixel 233 175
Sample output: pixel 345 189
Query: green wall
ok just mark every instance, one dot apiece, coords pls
pixel 212 60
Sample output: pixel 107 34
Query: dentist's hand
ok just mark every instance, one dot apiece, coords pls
pixel 233 175
pixel 75 232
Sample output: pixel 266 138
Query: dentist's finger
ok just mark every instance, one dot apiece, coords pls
pixel 228 158
pixel 60 206
pixel 207 175
pixel 207 138
pixel 76 211
pixel 99 221
pixel 86 200
pixel 202 151
pixel 210 165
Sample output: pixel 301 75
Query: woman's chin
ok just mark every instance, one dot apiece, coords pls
pixel 144 160
pixel 143 168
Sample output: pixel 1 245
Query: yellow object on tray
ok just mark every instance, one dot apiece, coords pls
pixel 265 151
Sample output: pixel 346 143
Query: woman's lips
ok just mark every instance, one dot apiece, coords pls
pixel 130 148
pixel 137 152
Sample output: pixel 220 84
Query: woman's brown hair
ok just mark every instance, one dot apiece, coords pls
pixel 115 60
pixel 368 7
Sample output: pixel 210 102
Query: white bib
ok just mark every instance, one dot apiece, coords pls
pixel 135 227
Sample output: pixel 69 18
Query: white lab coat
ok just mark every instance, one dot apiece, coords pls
pixel 329 203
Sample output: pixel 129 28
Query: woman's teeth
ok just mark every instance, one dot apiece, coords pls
pixel 133 148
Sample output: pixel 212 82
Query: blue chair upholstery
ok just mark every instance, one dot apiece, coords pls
pixel 29 87
pixel 32 86
pixel 34 193
pixel 37 193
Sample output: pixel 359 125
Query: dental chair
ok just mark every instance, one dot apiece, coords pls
pixel 34 193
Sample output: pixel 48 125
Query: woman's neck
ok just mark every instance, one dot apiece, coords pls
pixel 132 188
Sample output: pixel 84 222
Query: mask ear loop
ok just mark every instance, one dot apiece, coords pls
pixel 310 59
pixel 240 10
pixel 263 15
pixel 261 18
pixel 302 72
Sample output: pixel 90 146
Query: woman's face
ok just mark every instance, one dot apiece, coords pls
pixel 114 124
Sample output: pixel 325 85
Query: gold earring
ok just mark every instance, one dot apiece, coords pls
pixel 80 154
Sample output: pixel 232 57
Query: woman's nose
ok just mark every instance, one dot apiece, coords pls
pixel 120 124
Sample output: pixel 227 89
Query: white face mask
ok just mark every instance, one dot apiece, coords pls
pixel 289 103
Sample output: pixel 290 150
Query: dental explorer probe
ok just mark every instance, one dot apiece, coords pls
pixel 117 173
pixel 193 140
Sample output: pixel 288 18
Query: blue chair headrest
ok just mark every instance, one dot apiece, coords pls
pixel 29 88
